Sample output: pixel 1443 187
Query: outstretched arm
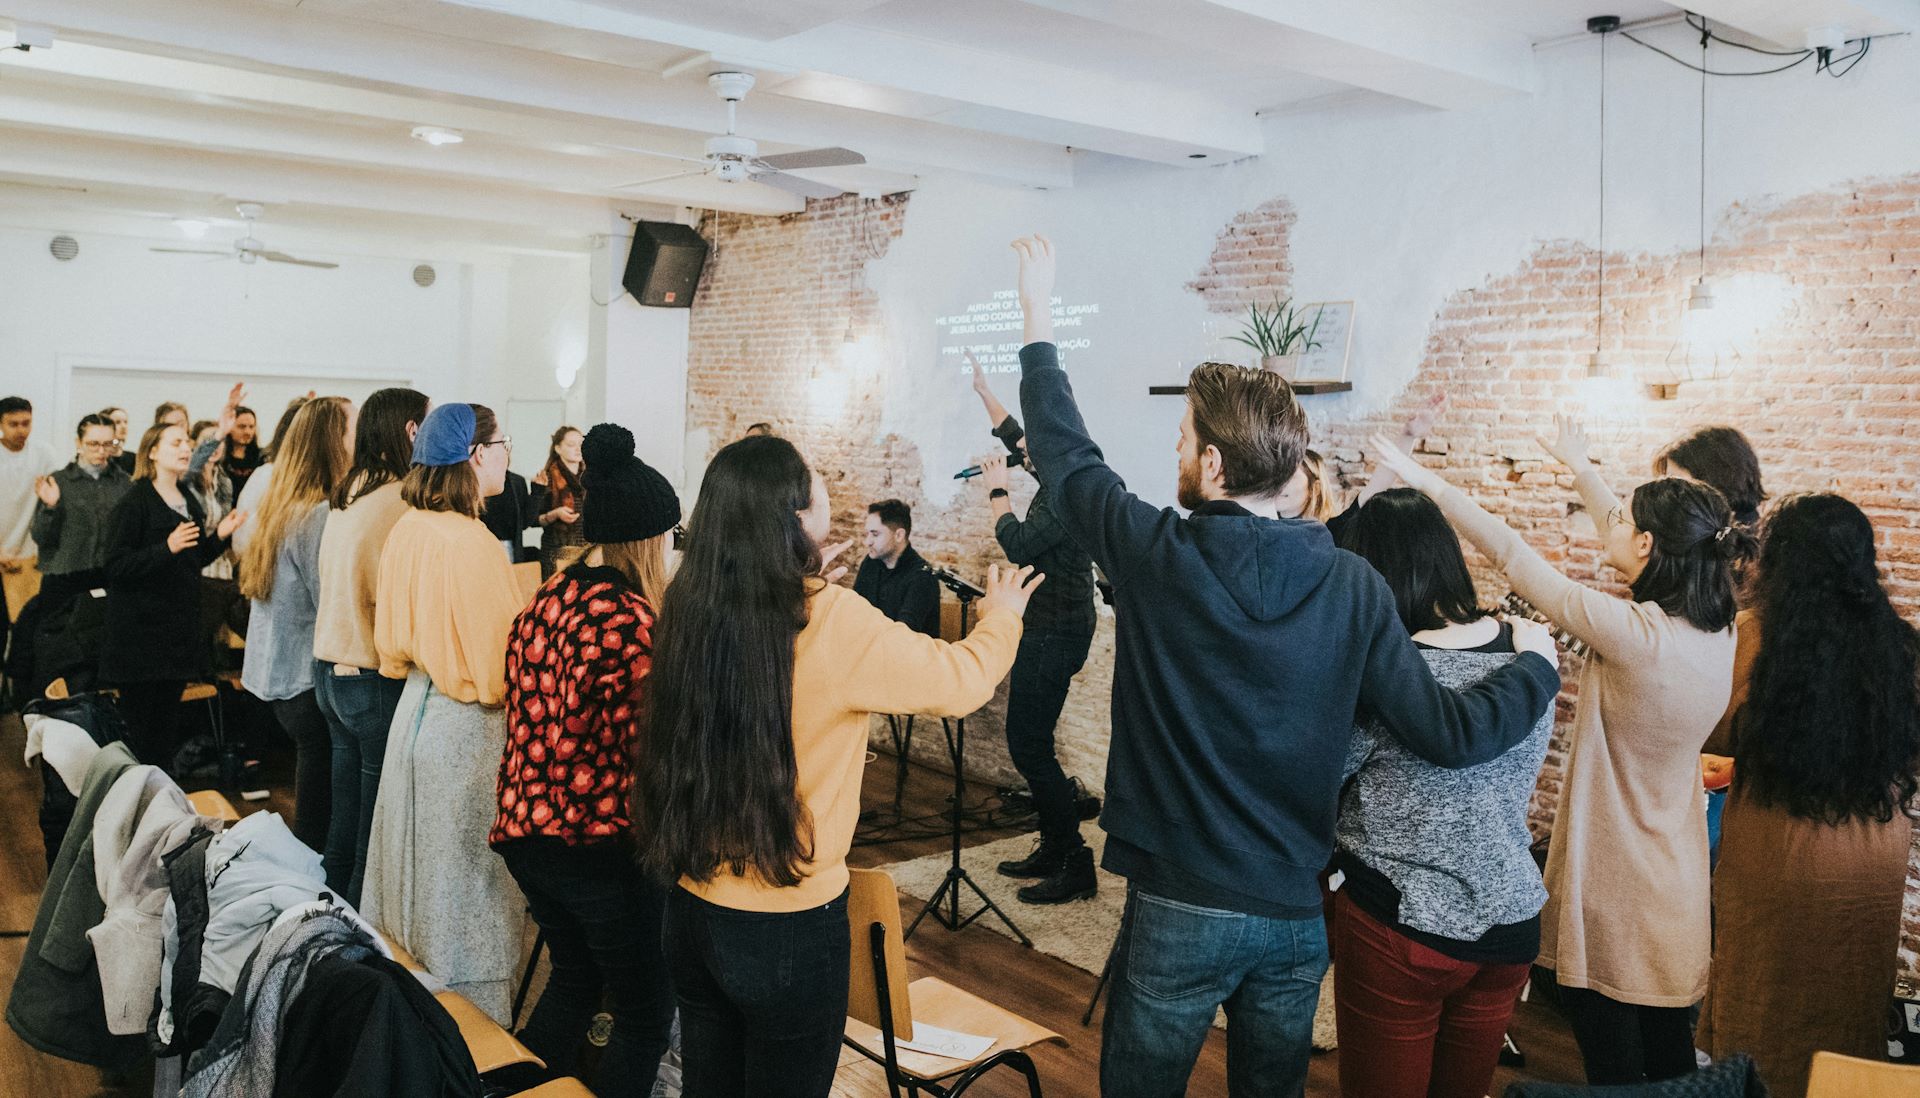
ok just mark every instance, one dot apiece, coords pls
pixel 996 411
pixel 1112 524
pixel 1416 428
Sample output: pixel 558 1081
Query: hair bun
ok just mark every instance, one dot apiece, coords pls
pixel 606 445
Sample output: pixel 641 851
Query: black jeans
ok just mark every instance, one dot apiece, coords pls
pixel 1042 673
pixel 1626 1043
pixel 152 712
pixel 763 997
pixel 602 921
pixel 312 767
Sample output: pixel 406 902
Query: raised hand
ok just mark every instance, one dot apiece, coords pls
pixel 1531 636
pixel 1423 420
pixel 979 375
pixel 993 470
pixel 184 537
pixel 1037 273
pixel 48 490
pixel 828 554
pixel 1009 590
pixel 230 523
pixel 230 411
pixel 1569 444
pixel 1415 475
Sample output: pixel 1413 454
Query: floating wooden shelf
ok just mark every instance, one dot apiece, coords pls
pixel 1304 388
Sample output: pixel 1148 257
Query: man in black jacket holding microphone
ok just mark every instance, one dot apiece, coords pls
pixel 1054 647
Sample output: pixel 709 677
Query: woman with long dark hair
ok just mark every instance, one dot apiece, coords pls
pixel 1722 457
pixel 1438 919
pixel 577 674
pixel 280 573
pixel 1825 725
pixel 747 781
pixel 157 542
pixel 557 492
pixel 356 700
pixel 443 606
pixel 1626 927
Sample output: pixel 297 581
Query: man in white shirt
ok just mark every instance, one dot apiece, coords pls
pixel 22 463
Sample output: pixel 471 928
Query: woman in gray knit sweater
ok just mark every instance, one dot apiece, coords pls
pixel 1438 915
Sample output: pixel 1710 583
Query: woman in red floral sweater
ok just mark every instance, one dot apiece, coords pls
pixel 577 663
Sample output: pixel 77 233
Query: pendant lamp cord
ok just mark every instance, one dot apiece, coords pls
pixel 1600 304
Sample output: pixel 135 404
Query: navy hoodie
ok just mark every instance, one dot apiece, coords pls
pixel 1243 648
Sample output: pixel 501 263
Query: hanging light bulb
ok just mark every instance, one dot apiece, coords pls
pixel 1603 392
pixel 1704 351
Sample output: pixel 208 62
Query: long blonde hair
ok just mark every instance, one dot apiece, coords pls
pixel 644 563
pixel 309 459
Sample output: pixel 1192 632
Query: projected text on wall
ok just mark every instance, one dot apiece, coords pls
pixel 990 330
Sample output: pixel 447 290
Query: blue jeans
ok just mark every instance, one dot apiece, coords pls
pixel 602 920
pixel 1042 673
pixel 359 710
pixel 763 997
pixel 1175 964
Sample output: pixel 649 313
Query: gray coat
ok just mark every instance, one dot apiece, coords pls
pixel 72 535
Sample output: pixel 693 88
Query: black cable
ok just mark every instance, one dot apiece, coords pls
pixel 1628 35
pixel 1851 59
pixel 1701 26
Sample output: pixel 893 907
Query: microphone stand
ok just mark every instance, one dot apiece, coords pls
pixel 955 731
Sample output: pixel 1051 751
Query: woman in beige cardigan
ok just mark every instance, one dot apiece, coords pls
pixel 1626 926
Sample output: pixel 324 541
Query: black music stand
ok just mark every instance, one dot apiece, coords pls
pixel 955 731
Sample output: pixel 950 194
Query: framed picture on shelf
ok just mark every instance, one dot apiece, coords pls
pixel 1328 360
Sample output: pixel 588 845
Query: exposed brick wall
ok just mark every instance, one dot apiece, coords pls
pixel 1827 390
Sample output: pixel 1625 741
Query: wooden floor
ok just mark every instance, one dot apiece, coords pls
pixel 1044 989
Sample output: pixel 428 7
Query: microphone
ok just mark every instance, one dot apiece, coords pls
pixel 968 473
pixel 958 586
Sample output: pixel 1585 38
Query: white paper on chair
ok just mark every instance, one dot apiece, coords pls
pixel 945 1042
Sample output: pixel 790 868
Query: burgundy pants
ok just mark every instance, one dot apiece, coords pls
pixel 1415 1023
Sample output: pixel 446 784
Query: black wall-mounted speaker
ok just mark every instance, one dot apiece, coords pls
pixel 664 267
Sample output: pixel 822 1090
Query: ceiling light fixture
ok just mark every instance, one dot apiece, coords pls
pixel 438 135
pixel 1702 353
pixel 1601 390
pixel 191 228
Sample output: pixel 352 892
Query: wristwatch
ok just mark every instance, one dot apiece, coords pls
pixel 997 493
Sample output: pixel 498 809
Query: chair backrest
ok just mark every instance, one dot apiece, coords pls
pixel 871 898
pixel 1837 1076
pixel 57 689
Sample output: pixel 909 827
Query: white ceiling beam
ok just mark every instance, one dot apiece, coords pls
pixel 1785 23
pixel 51 156
pixel 85 110
pixel 1109 114
pixel 376 57
pixel 1409 49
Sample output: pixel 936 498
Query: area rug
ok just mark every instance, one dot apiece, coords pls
pixel 1079 933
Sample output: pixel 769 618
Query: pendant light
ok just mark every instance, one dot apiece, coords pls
pixel 1702 352
pixel 1602 390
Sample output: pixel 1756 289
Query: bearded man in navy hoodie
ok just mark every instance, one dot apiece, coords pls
pixel 1245 644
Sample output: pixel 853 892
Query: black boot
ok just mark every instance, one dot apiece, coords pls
pixel 1045 861
pixel 1074 881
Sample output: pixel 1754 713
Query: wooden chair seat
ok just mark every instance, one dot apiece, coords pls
pixel 568 1087
pixel 199 691
pixel 491 1047
pixel 213 803
pixel 1837 1076
pixel 57 690
pixel 938 1003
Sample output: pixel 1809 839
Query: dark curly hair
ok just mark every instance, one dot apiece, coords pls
pixel 1831 727
pixel 1722 457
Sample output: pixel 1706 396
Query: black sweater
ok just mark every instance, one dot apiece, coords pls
pixel 153 629
pixel 1243 648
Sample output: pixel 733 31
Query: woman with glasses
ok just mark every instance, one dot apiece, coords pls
pixel 70 520
pixel 1626 927
pixel 444 604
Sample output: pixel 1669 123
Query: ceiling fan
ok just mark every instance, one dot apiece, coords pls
pixel 733 159
pixel 248 249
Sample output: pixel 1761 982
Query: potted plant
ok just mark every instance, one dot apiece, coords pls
pixel 1280 334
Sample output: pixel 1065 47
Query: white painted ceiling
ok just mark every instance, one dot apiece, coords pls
pixel 156 108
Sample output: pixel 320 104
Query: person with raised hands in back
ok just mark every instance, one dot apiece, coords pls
pixel 1626 927
pixel 1245 643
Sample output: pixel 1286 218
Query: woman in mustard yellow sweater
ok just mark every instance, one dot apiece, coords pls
pixel 747 785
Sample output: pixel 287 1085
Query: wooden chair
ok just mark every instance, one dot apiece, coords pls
pixel 881 1004
pixel 57 690
pixel 1837 1076
pixel 491 1047
pixel 568 1087
pixel 213 803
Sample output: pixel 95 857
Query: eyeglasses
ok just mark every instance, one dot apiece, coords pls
pixel 107 445
pixel 503 440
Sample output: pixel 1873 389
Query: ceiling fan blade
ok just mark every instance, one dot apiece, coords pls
pixel 812 158
pixel 282 257
pixel 659 179
pixel 793 184
pixel 658 153
pixel 194 251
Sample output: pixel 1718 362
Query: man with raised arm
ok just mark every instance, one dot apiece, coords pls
pixel 1245 644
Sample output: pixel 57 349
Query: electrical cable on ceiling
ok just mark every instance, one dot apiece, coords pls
pixel 1823 57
